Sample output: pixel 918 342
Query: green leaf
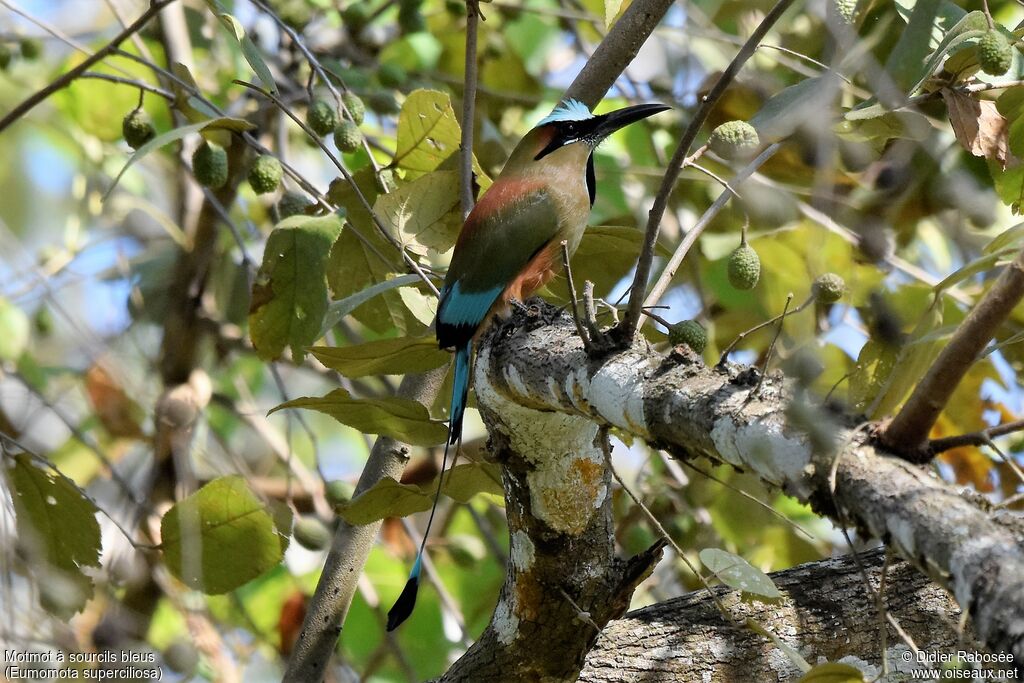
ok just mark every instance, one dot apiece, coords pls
pixel 289 297
pixel 249 49
pixel 833 672
pixel 428 132
pixel 605 255
pixel 57 527
pixel 790 108
pixel 14 330
pixel 911 364
pixel 424 214
pixel 386 498
pixel 221 537
pixel 735 572
pixel 339 309
pixel 220 123
pixel 404 420
pixel 914 44
pixel 1008 238
pixel 462 482
pixel 972 268
pixel 362 259
pixel 383 357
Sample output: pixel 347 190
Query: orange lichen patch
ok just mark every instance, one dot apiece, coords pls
pixel 567 501
pixel 529 599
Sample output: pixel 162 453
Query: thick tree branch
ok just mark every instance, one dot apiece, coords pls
pixel 908 431
pixel 826 612
pixel 678 404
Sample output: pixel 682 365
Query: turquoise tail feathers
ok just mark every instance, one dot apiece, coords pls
pixel 403 606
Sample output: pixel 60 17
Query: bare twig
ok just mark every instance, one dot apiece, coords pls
pixel 643 269
pixel 573 300
pixel 908 431
pixel 979 438
pixel 68 77
pixel 695 232
pixel 743 335
pixel 771 346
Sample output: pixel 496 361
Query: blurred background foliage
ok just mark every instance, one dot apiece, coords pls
pixel 911 206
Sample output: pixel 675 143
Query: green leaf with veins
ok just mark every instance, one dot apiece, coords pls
pixel 223 536
pixel 402 419
pixel 289 297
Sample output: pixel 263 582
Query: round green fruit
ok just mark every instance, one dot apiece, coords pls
pixel 265 174
pixel 311 533
pixel 383 103
pixel 5 56
pixel 744 267
pixel 137 128
pixel 391 75
pixel 994 53
pixel 828 288
pixel 31 48
pixel 322 117
pixel 210 165
pixel 338 492
pixel 354 106
pixel 734 140
pixel 292 204
pixel 355 16
pixel 689 332
pixel 347 137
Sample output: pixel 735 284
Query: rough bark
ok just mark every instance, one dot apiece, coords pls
pixel 676 403
pixel 564 582
pixel 826 613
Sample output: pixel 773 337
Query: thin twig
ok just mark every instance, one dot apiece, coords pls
pixel 130 81
pixel 743 335
pixel 643 269
pixel 468 101
pixel 979 438
pixel 68 77
pixel 573 301
pixel 771 348
pixel 695 232
pixel 908 431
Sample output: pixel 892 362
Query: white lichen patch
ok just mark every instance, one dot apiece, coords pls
pixel 522 551
pixel 902 532
pixel 505 621
pixel 763 448
pixel 616 393
pixel 565 492
pixel 567 482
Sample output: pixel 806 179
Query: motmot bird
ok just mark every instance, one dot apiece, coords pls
pixel 511 245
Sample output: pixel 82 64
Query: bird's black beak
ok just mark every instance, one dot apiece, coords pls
pixel 606 124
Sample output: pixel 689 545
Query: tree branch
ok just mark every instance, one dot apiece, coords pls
pixel 468 100
pixel 68 77
pixel 685 640
pixel 908 431
pixel 675 167
pixel 678 404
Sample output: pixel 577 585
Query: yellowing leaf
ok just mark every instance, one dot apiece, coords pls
pixel 222 536
pixel 735 572
pixel 423 214
pixel 289 297
pixel 404 420
pixel 428 132
pixel 57 528
pixel 383 357
pixel 611 10
pixel 386 498
pixel 463 482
